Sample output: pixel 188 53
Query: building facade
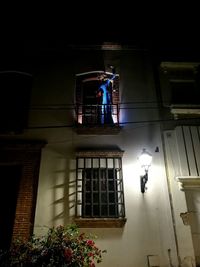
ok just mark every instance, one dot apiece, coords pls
pixel 66 156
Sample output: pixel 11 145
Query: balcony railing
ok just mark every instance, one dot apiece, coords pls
pixel 97 114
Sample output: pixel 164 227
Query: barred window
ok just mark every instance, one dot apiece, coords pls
pixel 99 181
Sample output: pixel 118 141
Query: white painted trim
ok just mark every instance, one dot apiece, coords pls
pixel 179 65
pixel 185 110
pixel 188 182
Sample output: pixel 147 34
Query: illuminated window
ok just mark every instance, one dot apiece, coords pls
pixel 94 105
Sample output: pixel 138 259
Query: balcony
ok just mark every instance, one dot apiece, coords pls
pixel 97 119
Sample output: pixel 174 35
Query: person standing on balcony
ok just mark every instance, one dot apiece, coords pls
pixel 105 99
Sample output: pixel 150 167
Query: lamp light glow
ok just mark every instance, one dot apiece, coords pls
pixel 145 159
pixel 145 162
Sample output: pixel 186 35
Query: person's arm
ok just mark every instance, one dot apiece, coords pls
pixel 113 77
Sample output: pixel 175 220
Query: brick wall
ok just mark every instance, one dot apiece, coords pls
pixel 27 155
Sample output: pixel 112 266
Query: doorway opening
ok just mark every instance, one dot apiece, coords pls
pixel 9 187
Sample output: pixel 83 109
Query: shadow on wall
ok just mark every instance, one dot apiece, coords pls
pixel 60 204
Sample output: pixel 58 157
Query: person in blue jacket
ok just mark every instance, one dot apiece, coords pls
pixel 105 99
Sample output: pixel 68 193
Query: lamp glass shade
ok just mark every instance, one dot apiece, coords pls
pixel 145 159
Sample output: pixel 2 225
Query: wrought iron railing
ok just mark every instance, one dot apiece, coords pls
pixel 98 114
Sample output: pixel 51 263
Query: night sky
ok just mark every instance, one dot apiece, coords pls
pixel 163 27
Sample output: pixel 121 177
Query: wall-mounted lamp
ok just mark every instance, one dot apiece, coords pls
pixel 145 161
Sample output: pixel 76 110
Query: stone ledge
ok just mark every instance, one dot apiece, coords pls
pixel 98 129
pixel 99 153
pixel 100 222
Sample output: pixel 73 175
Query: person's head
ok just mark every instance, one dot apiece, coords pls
pixel 101 77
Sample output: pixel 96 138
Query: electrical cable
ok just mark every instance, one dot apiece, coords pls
pixel 121 123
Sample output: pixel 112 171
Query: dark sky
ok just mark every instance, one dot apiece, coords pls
pixel 165 27
pixel 93 22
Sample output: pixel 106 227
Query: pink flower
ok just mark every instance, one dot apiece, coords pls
pixel 92 264
pixel 90 242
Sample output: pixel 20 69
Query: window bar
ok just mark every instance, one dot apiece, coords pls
pixel 91 114
pixel 76 208
pixel 106 176
pixel 107 186
pixel 99 180
pixel 91 189
pixel 113 112
pixel 84 191
pixel 80 113
pixel 122 189
pixel 87 112
pixel 104 113
pixel 95 114
pixel 117 113
pixel 77 112
pixel 115 188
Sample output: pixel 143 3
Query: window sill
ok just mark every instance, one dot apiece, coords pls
pixel 110 129
pixel 100 222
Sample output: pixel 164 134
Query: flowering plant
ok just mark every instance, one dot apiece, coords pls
pixel 63 247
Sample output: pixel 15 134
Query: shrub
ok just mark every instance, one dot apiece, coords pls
pixel 61 246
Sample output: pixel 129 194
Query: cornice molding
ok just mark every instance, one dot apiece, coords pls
pixel 188 182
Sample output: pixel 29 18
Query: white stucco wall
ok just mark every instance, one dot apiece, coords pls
pixel 180 156
pixel 149 227
pixel 148 230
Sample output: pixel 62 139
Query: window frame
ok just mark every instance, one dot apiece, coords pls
pixel 93 115
pixel 99 219
pixel 173 76
pixel 98 198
